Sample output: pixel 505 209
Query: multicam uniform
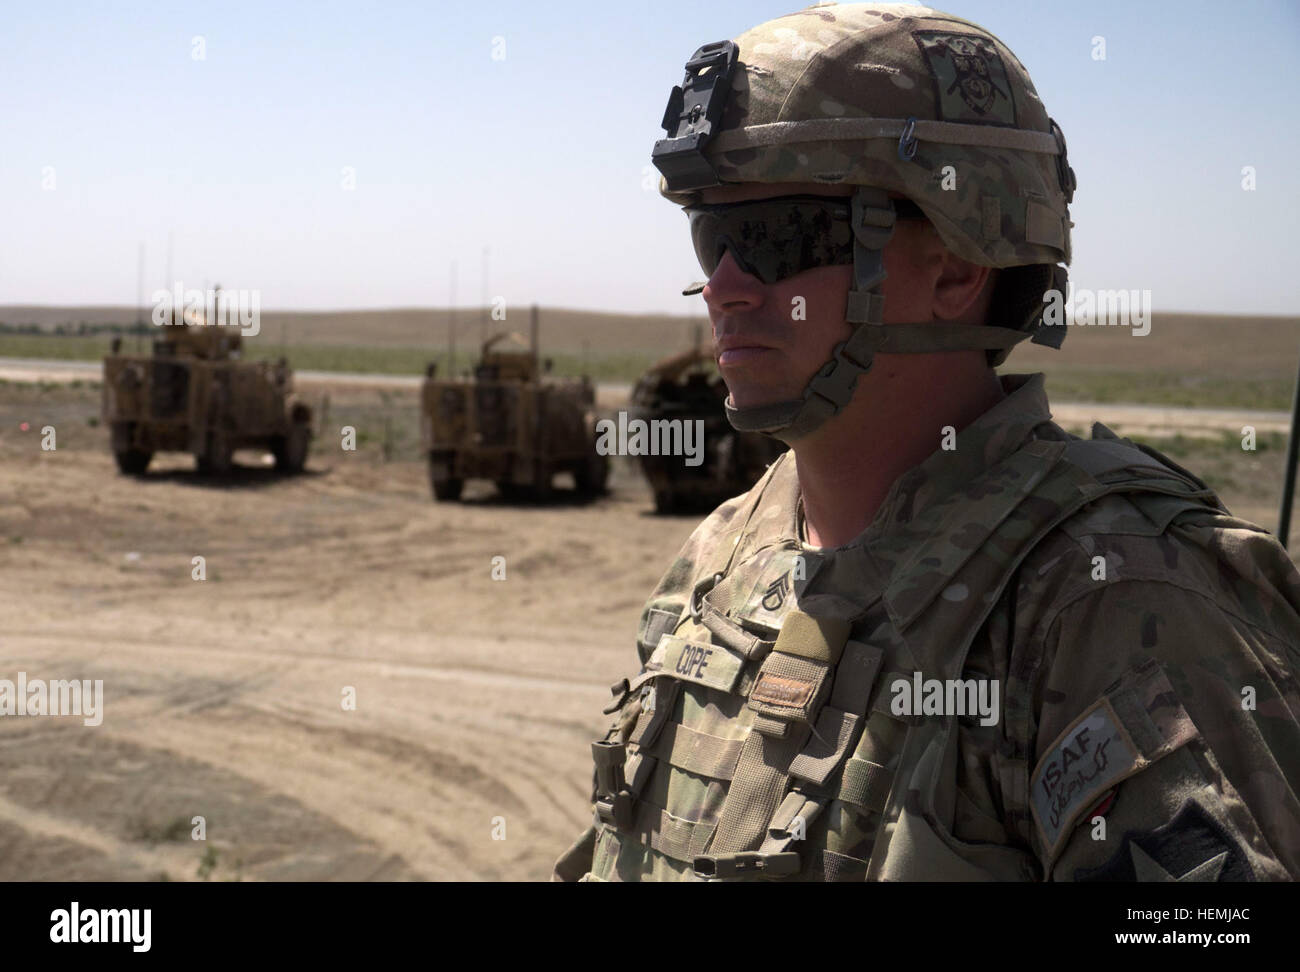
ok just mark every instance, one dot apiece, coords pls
pixel 1143 641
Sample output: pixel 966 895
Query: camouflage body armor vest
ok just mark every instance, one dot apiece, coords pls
pixel 763 705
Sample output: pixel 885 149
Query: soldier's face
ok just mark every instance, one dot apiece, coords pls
pixel 769 339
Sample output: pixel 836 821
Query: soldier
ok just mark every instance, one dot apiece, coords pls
pixel 941 638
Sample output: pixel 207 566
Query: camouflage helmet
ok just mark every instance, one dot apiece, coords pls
pixel 902 99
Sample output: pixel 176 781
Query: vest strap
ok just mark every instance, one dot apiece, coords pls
pixel 756 791
pixel 865 784
pixel 669 835
pixel 698 752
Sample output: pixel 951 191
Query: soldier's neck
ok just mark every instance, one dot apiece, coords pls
pixel 895 422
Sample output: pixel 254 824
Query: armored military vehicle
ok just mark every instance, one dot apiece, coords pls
pixel 687 387
pixel 512 424
pixel 193 394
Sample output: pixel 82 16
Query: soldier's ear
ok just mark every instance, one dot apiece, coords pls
pixel 962 290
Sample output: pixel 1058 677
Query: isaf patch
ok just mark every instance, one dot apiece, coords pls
pixel 970 78
pixel 1088 758
pixel 1191 847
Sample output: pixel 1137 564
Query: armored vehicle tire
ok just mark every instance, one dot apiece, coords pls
pixel 130 460
pixel 446 490
pixel 216 459
pixel 133 462
pixel 290 450
pixel 592 476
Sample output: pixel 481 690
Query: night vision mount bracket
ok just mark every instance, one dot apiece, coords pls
pixel 692 116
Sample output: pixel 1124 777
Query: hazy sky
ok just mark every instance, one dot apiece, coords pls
pixel 542 155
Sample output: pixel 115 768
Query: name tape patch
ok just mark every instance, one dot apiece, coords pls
pixel 1086 760
pixel 701 662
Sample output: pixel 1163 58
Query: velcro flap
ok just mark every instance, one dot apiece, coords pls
pixel 1043 226
pixel 788 688
pixel 790 683
pixel 657 624
pixel 817 639
pixel 830 741
pixel 703 663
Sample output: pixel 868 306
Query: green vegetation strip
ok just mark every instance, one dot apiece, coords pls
pixel 1064 383
pixel 358 359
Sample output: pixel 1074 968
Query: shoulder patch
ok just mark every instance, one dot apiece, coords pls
pixel 1190 847
pixel 1091 755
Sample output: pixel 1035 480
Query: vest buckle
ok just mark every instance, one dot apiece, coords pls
pixel 747 862
pixel 613 799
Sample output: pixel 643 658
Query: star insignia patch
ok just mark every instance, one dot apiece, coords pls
pixel 1191 847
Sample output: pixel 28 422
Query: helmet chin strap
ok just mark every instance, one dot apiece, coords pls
pixel 831 388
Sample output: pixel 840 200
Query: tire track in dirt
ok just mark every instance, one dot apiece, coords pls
pixel 477 698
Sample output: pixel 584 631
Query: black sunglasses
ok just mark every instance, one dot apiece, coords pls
pixel 776 238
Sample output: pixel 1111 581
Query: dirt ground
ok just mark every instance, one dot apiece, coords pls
pixel 476 699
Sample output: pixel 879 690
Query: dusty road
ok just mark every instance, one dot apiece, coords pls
pixel 476 699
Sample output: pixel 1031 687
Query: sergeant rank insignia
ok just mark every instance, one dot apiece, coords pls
pixel 775 594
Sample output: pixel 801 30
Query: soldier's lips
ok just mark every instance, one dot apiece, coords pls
pixel 739 355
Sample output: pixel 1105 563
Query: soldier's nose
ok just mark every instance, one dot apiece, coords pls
pixel 731 288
